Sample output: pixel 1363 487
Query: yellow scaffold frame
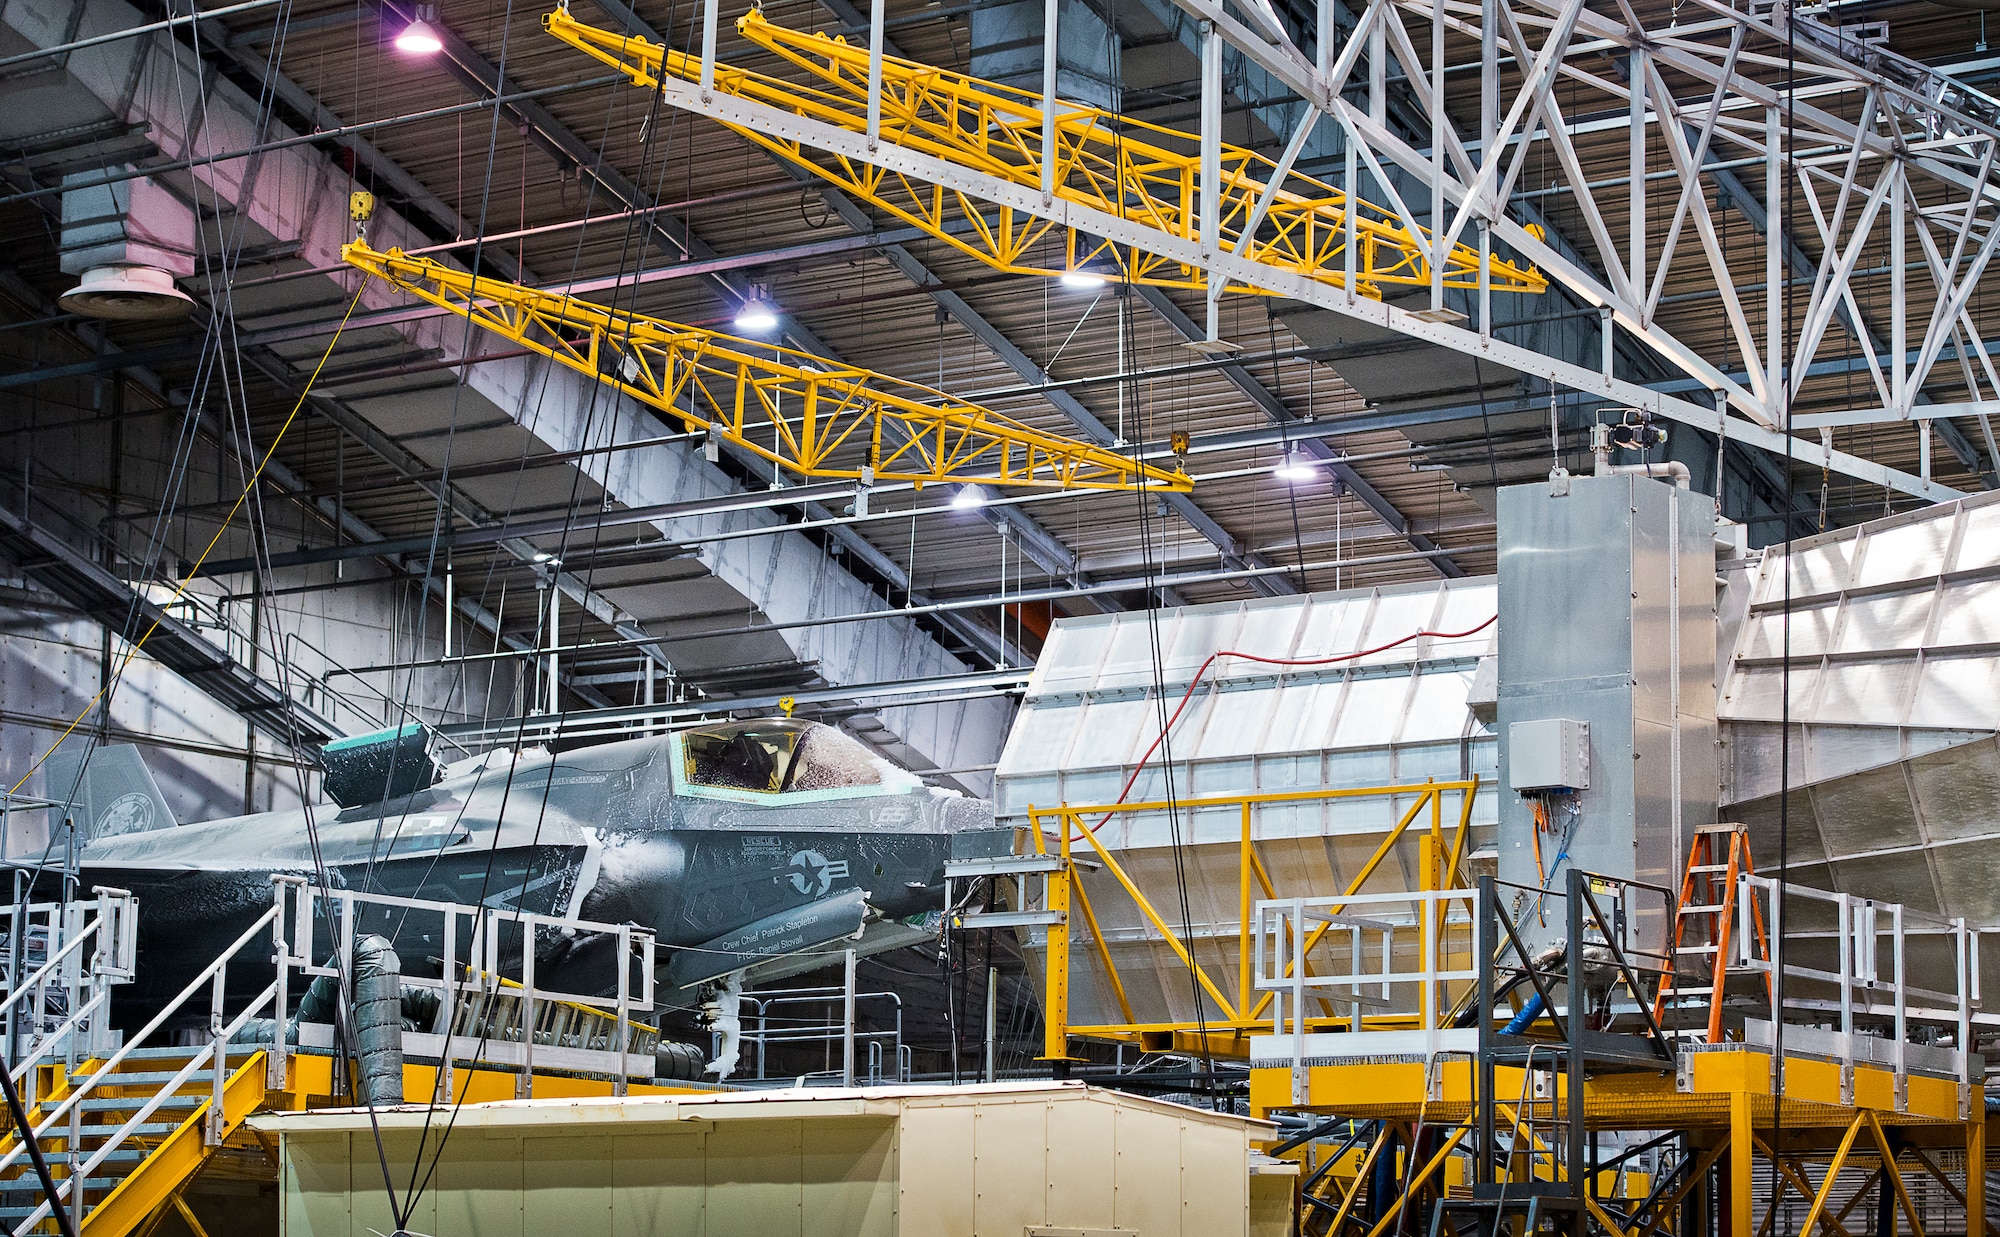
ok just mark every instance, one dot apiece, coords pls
pixel 1104 161
pixel 1441 867
pixel 812 417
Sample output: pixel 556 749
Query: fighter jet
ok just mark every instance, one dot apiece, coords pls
pixel 744 845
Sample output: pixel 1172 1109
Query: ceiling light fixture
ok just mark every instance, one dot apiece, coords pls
pixel 1082 280
pixel 1297 467
pixel 968 498
pixel 757 313
pixel 420 37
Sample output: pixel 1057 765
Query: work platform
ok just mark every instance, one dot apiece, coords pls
pixel 125 1123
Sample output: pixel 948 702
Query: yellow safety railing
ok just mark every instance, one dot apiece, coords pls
pixel 1073 833
pixel 1136 171
pixel 803 413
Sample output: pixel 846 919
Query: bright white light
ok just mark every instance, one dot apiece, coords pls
pixel 1085 281
pixel 543 556
pixel 968 497
pixel 419 39
pixel 1297 467
pixel 756 313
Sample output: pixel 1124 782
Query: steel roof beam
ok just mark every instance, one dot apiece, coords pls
pixel 991 336
pixel 480 75
pixel 1274 408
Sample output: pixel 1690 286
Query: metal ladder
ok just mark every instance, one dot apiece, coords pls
pixel 1708 909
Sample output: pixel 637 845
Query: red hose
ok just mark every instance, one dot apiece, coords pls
pixel 1270 661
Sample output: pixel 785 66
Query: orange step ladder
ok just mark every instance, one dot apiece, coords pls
pixel 1707 913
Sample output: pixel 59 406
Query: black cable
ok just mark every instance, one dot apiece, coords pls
pixel 1787 363
pixel 632 257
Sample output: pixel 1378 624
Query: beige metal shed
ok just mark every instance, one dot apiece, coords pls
pixel 1005 1160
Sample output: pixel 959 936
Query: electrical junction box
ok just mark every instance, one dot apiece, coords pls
pixel 1549 753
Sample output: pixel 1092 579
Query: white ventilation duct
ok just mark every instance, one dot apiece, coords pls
pixel 128 240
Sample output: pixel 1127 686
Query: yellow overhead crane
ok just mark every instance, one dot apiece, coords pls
pixel 804 414
pixel 1103 160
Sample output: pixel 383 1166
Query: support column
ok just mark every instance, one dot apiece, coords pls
pixel 1737 1210
pixel 1975 1172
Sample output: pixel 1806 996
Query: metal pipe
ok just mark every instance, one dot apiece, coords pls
pixel 847 1017
pixel 1665 468
pixel 308 139
pixel 1225 575
pixel 96 40
pixel 992 1023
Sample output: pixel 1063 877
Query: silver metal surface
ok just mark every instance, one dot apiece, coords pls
pixel 1607 604
pixel 1894 633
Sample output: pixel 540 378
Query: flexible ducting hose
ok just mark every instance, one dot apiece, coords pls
pixel 1526 1018
pixel 317 1005
pixel 378 1021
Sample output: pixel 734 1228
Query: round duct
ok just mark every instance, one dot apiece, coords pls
pixel 127 293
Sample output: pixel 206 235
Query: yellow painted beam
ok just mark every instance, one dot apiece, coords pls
pixel 182 1154
pixel 807 415
pixel 1100 160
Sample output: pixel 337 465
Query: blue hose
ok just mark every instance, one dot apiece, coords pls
pixel 1526 1018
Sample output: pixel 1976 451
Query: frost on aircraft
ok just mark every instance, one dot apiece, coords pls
pixel 760 845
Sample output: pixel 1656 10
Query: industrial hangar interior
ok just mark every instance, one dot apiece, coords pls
pixel 1338 618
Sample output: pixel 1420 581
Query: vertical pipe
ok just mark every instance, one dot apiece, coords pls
pixel 449 609
pixel 1211 171
pixel 1975 1156
pixel 1902 1013
pixel 1378 68
pixel 1636 258
pixel 526 1087
pixel 992 1018
pixel 652 676
pixel 1898 305
pixel 1434 247
pixel 1051 33
pixel 1774 279
pixel 17 915
pixel 448 1014
pixel 1243 967
pixel 847 1015
pixel 555 642
pixel 624 1005
pixel 708 22
pixel 876 14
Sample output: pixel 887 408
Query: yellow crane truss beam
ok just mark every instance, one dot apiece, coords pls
pixel 1103 161
pixel 804 414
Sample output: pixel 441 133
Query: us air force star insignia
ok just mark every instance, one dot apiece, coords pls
pixel 814 874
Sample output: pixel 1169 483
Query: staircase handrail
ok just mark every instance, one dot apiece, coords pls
pixel 20 1070
pixel 210 974
pixel 113 928
pixel 216 1051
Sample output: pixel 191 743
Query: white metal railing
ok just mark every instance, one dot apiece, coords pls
pixel 97 940
pixel 483 1018
pixel 1871 984
pixel 1407 955
pixel 883 1049
pixel 77 951
pixel 64 1118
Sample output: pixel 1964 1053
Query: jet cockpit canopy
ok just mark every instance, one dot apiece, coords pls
pixel 776 756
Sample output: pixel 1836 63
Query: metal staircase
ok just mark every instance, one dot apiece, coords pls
pixel 124 1123
pixel 138 1138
